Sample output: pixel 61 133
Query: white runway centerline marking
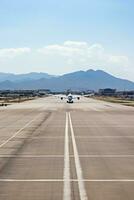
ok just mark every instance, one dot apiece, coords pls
pixel 67 186
pixel 81 185
pixel 19 131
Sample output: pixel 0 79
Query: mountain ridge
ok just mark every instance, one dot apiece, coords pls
pixel 27 76
pixel 78 80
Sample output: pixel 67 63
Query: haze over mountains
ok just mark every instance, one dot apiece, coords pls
pixel 79 80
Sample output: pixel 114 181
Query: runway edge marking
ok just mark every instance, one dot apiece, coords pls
pixel 19 131
pixel 81 185
pixel 67 184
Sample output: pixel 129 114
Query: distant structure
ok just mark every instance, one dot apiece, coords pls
pixel 107 92
pixel 126 94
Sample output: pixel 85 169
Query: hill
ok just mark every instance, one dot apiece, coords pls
pixel 79 80
pixel 22 77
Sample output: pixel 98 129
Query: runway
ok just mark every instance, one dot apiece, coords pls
pixel 51 150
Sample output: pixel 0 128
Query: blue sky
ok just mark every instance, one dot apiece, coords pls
pixel 58 36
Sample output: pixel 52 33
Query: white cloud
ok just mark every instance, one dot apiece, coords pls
pixel 79 53
pixel 75 44
pixel 13 52
pixel 123 60
pixel 66 57
pixel 61 50
pixel 70 52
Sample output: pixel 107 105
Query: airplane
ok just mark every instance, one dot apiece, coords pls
pixel 70 98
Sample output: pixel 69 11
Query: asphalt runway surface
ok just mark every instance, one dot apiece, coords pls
pixel 51 150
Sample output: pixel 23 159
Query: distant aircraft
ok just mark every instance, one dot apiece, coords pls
pixel 70 98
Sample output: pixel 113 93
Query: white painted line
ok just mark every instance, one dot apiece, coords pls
pixel 19 131
pixel 62 180
pixel 67 186
pixel 82 190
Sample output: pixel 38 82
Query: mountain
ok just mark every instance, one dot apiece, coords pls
pixel 79 80
pixel 22 77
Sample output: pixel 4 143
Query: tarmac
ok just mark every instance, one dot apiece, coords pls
pixel 51 150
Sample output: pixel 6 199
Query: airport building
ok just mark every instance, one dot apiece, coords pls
pixel 126 94
pixel 107 92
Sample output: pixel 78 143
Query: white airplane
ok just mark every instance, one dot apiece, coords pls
pixel 70 98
